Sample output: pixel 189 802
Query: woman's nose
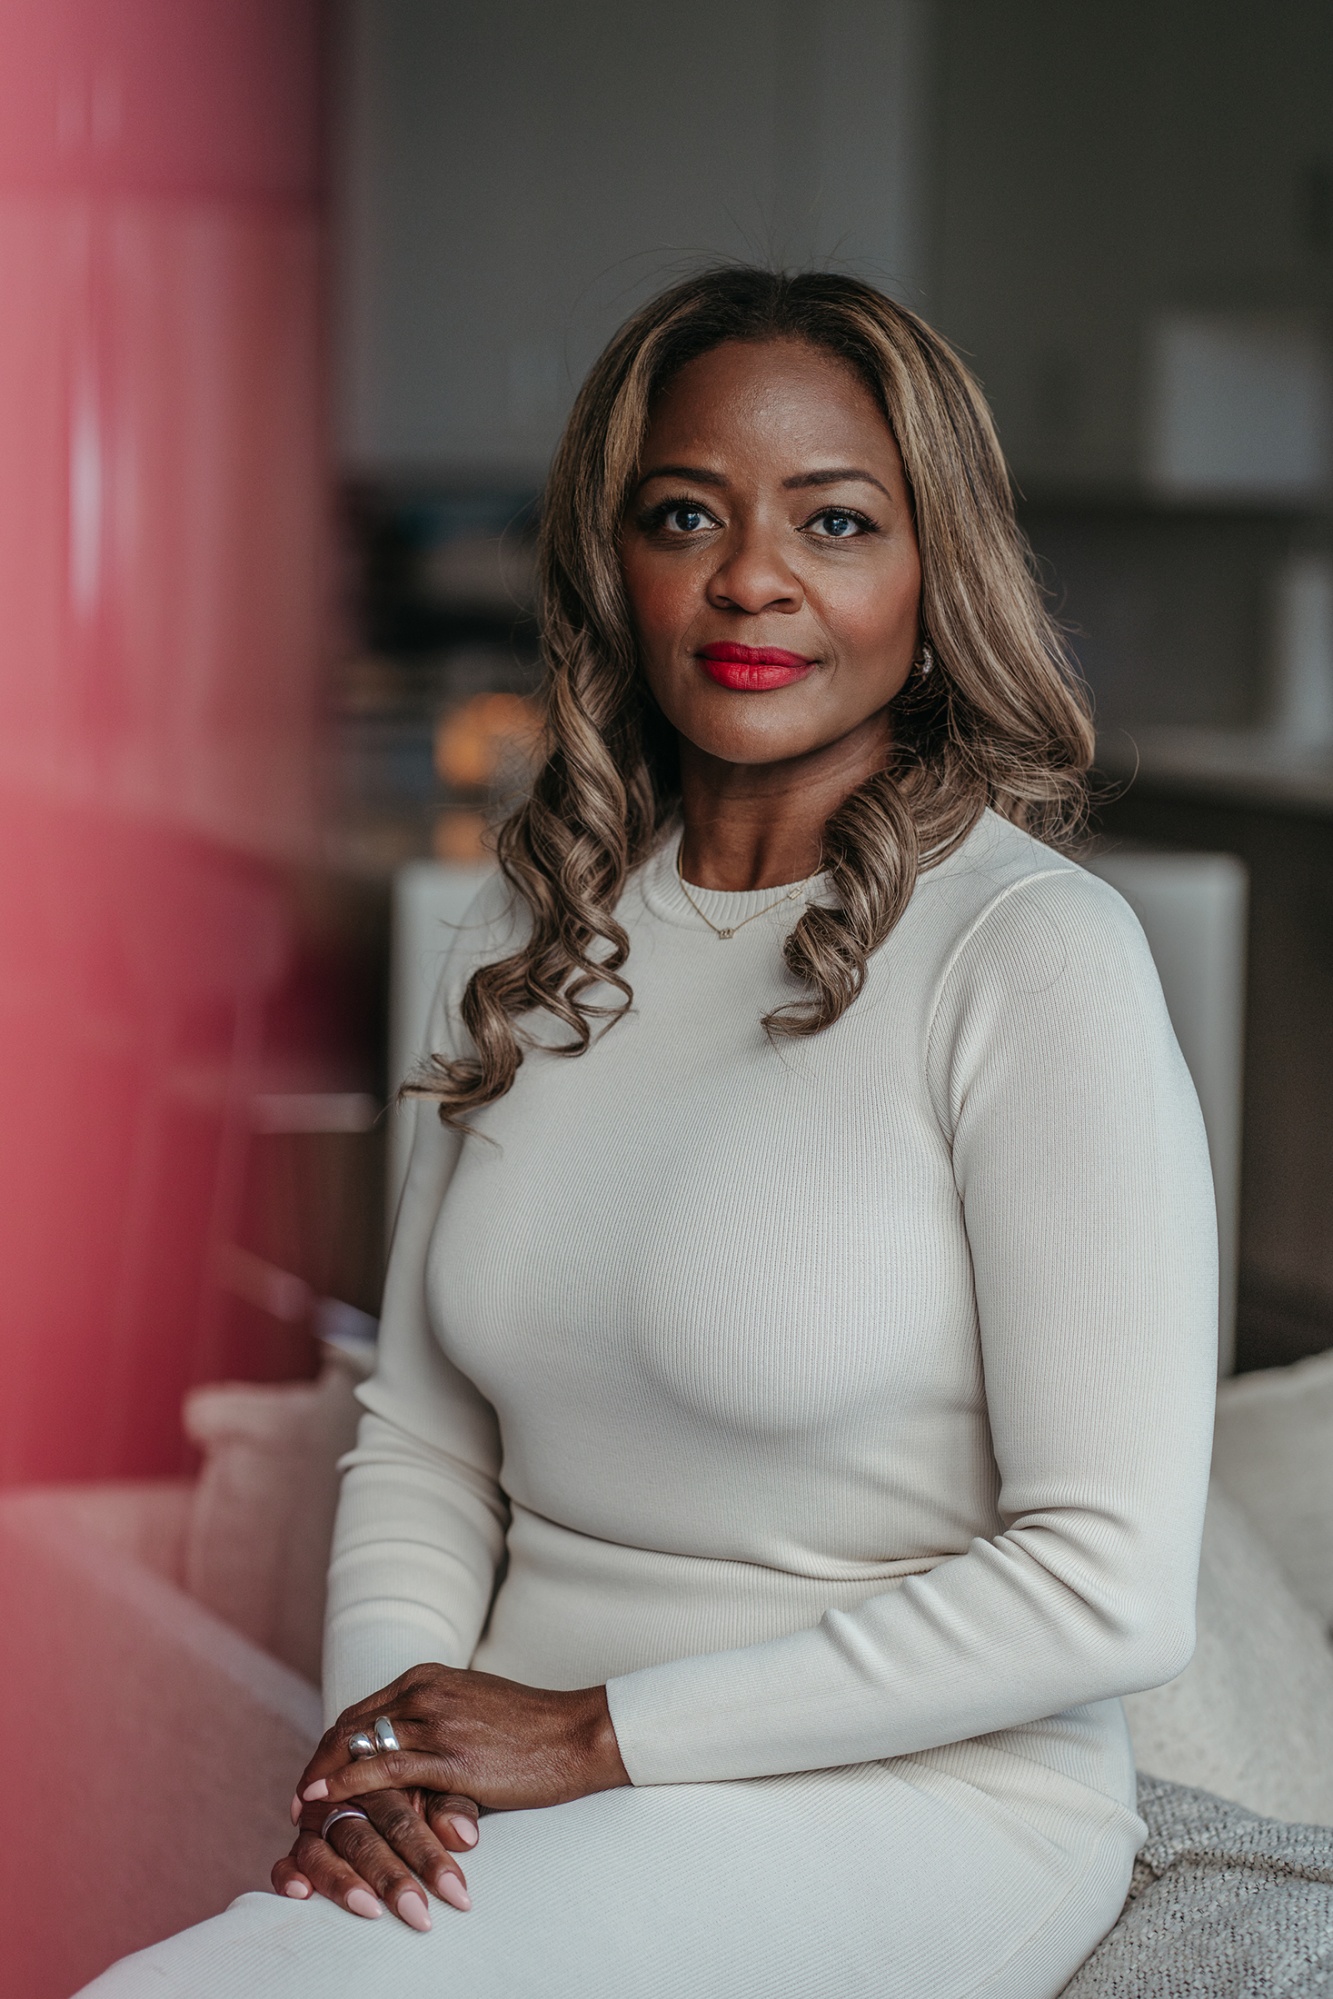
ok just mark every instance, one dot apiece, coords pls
pixel 753 577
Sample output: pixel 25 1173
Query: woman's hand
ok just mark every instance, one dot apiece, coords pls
pixel 366 1862
pixel 464 1736
pixel 508 1746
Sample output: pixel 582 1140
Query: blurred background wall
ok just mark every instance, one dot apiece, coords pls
pixel 296 299
pixel 1135 242
pixel 517 177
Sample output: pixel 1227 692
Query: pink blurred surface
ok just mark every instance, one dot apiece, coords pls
pixel 140 1817
pixel 163 493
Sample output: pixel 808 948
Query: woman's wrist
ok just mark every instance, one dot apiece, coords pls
pixel 599 1751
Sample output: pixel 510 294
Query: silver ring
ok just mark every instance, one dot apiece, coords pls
pixel 342 1812
pixel 385 1739
pixel 360 1744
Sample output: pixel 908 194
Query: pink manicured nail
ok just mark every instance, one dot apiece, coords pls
pixel 296 1809
pixel 297 1888
pixel 466 1831
pixel 451 1890
pixel 362 1903
pixel 412 1908
pixel 319 1789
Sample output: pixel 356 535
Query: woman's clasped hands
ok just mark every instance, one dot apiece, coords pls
pixel 377 1823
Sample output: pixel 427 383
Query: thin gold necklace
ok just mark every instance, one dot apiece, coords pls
pixel 788 895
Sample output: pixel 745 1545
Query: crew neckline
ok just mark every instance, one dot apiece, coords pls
pixel 728 908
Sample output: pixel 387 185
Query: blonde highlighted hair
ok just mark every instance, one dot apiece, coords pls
pixel 1001 722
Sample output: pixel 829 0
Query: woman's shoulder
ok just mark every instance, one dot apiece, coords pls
pixel 1013 911
pixel 1000 868
pixel 1047 988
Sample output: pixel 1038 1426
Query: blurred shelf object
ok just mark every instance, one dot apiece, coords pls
pixel 1170 608
pixel 310 1215
pixel 1239 406
pixel 1302 664
pixel 433 716
pixel 435 566
pixel 286 1111
pixel 1243 794
pixel 304 1256
pixel 283 1296
pixel 279 1293
pixel 1244 766
pixel 348 1331
pixel 1288 761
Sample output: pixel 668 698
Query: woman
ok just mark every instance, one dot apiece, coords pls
pixel 804 1300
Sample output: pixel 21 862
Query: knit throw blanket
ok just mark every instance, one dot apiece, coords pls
pixel 1223 1905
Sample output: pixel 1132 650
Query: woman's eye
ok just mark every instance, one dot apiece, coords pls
pixel 684 519
pixel 676 518
pixel 838 524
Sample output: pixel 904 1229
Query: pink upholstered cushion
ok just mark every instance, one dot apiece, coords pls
pixel 257 1543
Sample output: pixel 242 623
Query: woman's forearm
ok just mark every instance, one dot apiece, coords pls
pixel 415 1551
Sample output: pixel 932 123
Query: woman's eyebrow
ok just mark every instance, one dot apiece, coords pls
pixel 695 472
pixel 834 476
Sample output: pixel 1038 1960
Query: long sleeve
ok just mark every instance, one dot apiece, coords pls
pixel 421 1516
pixel 1081 1167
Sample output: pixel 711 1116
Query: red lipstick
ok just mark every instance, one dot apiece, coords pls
pixel 753 669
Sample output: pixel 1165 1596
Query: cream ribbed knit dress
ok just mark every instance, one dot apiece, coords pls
pixel 845 1404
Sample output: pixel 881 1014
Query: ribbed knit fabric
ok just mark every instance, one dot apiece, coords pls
pixel 839 1401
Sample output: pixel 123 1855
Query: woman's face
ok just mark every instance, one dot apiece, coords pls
pixel 770 556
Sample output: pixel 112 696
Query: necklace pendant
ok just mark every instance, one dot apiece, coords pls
pixel 726 933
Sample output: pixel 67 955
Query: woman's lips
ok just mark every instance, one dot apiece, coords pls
pixel 753 669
